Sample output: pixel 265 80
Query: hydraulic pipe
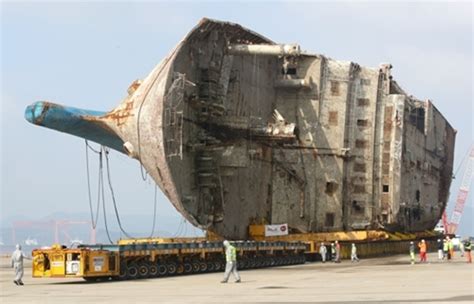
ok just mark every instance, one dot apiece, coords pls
pixel 264 49
pixel 292 83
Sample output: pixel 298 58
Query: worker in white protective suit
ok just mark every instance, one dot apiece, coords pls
pixel 17 264
pixel 323 252
pixel 354 257
pixel 231 262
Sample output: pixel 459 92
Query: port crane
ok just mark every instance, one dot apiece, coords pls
pixel 451 226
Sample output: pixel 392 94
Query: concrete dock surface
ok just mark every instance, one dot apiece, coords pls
pixel 378 280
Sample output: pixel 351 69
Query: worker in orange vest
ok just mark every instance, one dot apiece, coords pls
pixel 451 247
pixel 422 246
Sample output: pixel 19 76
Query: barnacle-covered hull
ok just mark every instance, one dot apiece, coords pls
pixel 238 130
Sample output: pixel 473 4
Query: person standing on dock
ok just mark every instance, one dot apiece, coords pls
pixel 323 252
pixel 333 252
pixel 231 262
pixel 467 248
pixel 445 249
pixel 354 257
pixel 338 251
pixel 17 264
pixel 412 253
pixel 422 246
pixel 440 249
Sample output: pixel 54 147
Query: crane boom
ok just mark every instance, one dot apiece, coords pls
pixel 462 194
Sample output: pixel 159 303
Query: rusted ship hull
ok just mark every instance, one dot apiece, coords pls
pixel 238 130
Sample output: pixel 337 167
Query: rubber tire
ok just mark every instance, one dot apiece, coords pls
pixel 217 266
pixel 211 267
pixel 123 272
pixel 143 270
pixel 188 268
pixel 267 262
pixel 179 268
pixel 202 267
pixel 153 270
pixel 252 263
pixel 162 270
pixel 132 271
pixel 171 268
pixel 196 267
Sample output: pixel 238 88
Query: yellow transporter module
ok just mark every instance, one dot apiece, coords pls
pixel 145 258
pixel 370 243
pixel 59 262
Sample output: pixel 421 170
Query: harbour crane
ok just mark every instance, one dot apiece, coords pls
pixel 451 226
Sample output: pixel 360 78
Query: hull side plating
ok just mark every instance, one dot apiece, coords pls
pixel 237 130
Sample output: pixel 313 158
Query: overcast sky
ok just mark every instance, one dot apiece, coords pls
pixel 87 54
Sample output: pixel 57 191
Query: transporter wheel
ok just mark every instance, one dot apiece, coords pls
pixel 196 267
pixel 171 267
pixel 162 270
pixel 123 271
pixel 266 262
pixel 272 261
pixel 210 266
pixel 252 263
pixel 179 268
pixel 153 268
pixel 281 260
pixel 258 262
pixel 188 268
pixel 202 266
pixel 132 271
pixel 143 270
pixel 217 266
pixel 302 259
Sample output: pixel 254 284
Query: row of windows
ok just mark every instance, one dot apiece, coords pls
pixel 336 86
pixel 333 120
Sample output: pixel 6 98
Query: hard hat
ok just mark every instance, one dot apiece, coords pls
pixel 18 246
pixel 226 243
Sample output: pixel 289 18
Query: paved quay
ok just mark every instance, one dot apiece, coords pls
pixel 380 280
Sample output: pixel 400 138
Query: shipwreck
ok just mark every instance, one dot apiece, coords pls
pixel 236 130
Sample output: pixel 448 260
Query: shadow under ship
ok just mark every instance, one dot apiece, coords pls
pixel 238 130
